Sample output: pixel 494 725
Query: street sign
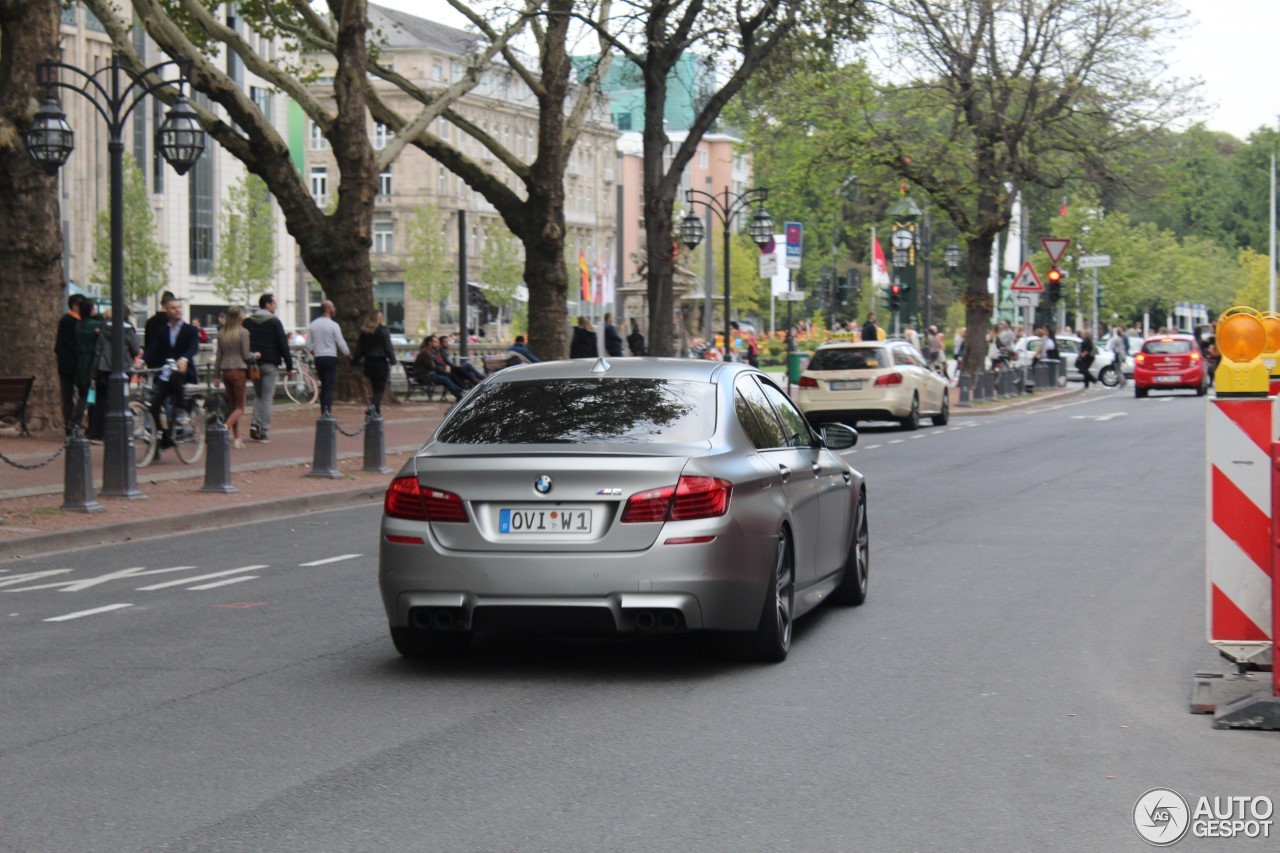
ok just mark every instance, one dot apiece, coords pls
pixel 770 247
pixel 1055 246
pixel 1026 299
pixel 1027 279
pixel 791 296
pixel 768 265
pixel 1087 261
pixel 795 244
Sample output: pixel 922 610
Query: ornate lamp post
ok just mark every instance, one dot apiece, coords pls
pixel 115 91
pixel 905 213
pixel 727 206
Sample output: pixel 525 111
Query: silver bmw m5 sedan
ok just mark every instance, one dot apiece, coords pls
pixel 617 496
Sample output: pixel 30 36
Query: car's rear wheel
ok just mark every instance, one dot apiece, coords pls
pixel 416 643
pixel 1139 392
pixel 772 638
pixel 1202 389
pixel 912 420
pixel 852 590
pixel 1108 376
pixel 942 417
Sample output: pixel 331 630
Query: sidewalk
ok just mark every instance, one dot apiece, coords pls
pixel 271 479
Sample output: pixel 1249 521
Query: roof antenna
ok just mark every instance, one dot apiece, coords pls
pixel 601 365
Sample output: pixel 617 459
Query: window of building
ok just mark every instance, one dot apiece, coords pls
pixel 320 185
pixel 318 142
pixel 383 231
pixel 384 181
pixel 702 158
pixel 200 212
pixel 158 164
pixel 456 70
pixel 69 15
pixel 262 98
pixel 437 71
pixel 440 183
pixel 388 297
pixel 622 120
pixel 380 135
pixel 91 22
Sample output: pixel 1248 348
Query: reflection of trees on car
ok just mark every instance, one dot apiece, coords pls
pixel 583 410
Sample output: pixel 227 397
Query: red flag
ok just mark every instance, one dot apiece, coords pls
pixel 879 268
pixel 1063 210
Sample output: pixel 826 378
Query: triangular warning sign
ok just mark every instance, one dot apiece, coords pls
pixel 1055 246
pixel 1027 279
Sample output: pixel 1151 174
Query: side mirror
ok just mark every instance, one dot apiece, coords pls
pixel 839 436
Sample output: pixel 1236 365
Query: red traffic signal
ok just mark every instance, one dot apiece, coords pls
pixel 1055 276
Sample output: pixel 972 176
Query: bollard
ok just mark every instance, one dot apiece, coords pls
pixel 375 457
pixel 217 460
pixel 986 386
pixel 325 462
pixel 77 492
pixel 966 380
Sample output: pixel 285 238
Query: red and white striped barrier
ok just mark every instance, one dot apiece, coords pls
pixel 1239 435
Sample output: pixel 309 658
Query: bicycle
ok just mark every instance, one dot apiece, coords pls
pixel 302 386
pixel 190 421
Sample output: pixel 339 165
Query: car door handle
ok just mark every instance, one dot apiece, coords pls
pixel 785 472
pixel 817 470
pixel 848 478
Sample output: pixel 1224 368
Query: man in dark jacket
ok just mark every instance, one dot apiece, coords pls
pixel 612 340
pixel 267 337
pixel 157 321
pixel 179 341
pixel 67 353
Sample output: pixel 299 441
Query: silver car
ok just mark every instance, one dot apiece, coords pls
pixel 621 496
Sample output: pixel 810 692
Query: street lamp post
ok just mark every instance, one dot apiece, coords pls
pixel 906 213
pixel 727 206
pixel 835 243
pixel 115 91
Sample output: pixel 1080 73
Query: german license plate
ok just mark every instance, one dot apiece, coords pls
pixel 543 520
pixel 1168 379
pixel 848 385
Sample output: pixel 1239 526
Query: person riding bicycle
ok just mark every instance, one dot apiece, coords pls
pixel 179 341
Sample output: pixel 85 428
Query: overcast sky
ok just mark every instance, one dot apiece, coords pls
pixel 1229 44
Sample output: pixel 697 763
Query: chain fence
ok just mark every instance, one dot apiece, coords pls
pixel 37 466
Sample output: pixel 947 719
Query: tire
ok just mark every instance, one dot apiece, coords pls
pixel 1139 392
pixel 144 435
pixel 942 417
pixel 912 420
pixel 1108 377
pixel 852 590
pixel 417 644
pixel 1202 389
pixel 188 438
pixel 771 640
pixel 301 388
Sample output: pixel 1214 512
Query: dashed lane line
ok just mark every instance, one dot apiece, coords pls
pixel 198 578
pixel 326 560
pixel 82 613
pixel 226 582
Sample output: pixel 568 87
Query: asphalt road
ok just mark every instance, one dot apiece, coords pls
pixel 1018 677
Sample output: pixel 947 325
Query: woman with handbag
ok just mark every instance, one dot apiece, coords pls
pixel 233 363
pixel 375 354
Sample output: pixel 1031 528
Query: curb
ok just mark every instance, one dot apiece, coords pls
pixel 1016 403
pixel 150 528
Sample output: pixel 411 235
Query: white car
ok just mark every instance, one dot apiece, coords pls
pixel 848 381
pixel 1102 370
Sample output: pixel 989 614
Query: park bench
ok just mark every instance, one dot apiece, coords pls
pixel 494 363
pixel 14 393
pixel 416 380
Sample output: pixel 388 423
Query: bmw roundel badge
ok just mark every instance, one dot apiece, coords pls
pixel 542 485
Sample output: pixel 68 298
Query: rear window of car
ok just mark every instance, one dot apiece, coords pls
pixel 849 358
pixel 1169 347
pixel 573 411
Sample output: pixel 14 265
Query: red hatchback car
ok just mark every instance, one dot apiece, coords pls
pixel 1168 362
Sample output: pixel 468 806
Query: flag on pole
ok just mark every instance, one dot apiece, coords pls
pixel 1013 238
pixel 879 268
pixel 586 276
pixel 608 288
pixel 1062 211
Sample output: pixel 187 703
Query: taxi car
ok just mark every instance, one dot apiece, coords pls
pixel 849 381
pixel 1167 363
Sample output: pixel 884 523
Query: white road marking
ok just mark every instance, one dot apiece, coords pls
pixel 1100 418
pixel 331 560
pixel 921 435
pixel 208 577
pixel 873 446
pixel 76 586
pixel 31 576
pixel 226 582
pixel 898 441
pixel 92 612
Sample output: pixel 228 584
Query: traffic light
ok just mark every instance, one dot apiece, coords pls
pixel 855 286
pixel 1055 284
pixel 1101 291
pixel 895 296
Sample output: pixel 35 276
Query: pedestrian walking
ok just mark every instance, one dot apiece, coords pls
pixel 267 338
pixel 584 343
pixel 325 341
pixel 102 372
pixel 1085 359
pixel 86 350
pixel 635 340
pixel 375 355
pixel 65 351
pixel 870 331
pixel 233 360
pixel 1119 347
pixel 612 340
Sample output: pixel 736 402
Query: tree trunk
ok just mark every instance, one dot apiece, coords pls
pixel 658 209
pixel 979 305
pixel 31 287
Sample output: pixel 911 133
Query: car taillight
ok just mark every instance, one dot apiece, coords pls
pixel 1195 356
pixel 889 379
pixel 412 502
pixel 690 498
pixel 808 382
pixel 1140 358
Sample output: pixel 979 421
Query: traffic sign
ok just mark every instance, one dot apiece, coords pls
pixel 791 296
pixel 1026 299
pixel 770 247
pixel 1087 261
pixel 795 244
pixel 1055 246
pixel 1027 279
pixel 768 265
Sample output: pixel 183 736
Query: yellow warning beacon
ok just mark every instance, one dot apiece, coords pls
pixel 1241 339
pixel 1271 349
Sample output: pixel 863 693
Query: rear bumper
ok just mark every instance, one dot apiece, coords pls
pixel 1192 377
pixel 892 404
